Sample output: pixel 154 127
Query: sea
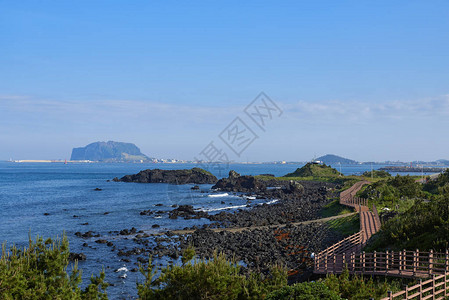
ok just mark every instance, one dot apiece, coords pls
pixel 52 199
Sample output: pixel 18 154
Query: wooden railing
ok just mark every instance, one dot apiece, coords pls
pixel 435 288
pixel 400 264
pixel 376 217
pixel 325 258
pixel 355 202
pixel 346 255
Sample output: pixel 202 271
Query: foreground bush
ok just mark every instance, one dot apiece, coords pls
pixel 217 278
pixel 40 272
pixel 356 287
pixel 304 291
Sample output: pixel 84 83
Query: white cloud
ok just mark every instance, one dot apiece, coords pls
pixel 359 111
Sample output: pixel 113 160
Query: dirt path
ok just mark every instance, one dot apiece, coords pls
pixel 240 229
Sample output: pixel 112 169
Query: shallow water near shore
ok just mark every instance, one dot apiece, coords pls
pixel 48 199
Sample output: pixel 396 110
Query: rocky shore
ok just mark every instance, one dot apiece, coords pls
pixel 194 175
pixel 257 247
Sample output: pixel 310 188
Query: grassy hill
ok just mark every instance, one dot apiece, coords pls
pixel 314 170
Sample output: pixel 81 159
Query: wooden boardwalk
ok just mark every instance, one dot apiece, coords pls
pixel 347 255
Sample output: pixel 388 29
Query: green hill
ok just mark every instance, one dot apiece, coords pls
pixel 314 170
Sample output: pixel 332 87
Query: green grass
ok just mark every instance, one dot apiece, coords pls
pixel 314 170
pixel 345 226
pixel 334 208
pixel 202 171
pixel 333 179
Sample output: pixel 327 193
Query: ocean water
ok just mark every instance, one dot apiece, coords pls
pixel 66 194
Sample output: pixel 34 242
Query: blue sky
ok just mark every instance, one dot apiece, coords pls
pixel 367 80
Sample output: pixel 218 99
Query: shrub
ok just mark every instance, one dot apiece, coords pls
pixel 355 287
pixel 304 291
pixel 40 272
pixel 440 185
pixel 377 174
pixel 424 226
pixel 216 278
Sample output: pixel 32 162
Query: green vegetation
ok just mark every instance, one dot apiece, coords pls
pixel 314 170
pixel 424 226
pixel 345 226
pixel 304 291
pixel 420 217
pixel 438 186
pixel 357 287
pixel 377 174
pixel 397 193
pixel 217 278
pixel 201 171
pixel 334 208
pixel 40 272
pixel 342 286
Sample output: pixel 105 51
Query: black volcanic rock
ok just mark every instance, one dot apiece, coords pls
pixel 262 189
pixel 237 183
pixel 108 151
pixel 187 212
pixel 195 176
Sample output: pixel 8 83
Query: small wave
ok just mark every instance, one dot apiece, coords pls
pixel 122 269
pixel 223 208
pixel 218 195
pixel 270 202
pixel 250 197
pixel 158 217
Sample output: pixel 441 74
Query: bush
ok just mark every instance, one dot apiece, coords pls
pixel 377 174
pixel 355 287
pixel 304 291
pixel 40 272
pixel 440 185
pixel 397 193
pixel 424 226
pixel 217 278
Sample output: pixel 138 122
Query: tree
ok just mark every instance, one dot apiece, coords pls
pixel 216 278
pixel 40 272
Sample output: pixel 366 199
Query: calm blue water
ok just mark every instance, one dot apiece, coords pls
pixel 66 193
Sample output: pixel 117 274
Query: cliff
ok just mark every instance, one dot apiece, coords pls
pixel 109 152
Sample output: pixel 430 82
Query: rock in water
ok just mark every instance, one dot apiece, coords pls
pixel 77 256
pixel 237 183
pixel 195 176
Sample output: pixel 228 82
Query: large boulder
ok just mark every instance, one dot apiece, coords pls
pixel 195 176
pixel 237 183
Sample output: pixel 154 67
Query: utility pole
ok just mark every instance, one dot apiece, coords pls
pixel 422 173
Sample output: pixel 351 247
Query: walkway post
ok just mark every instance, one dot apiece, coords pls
pixel 386 261
pixel 430 262
pixel 363 262
pixel 375 261
pixel 334 264
pixel 414 262
pixel 417 259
